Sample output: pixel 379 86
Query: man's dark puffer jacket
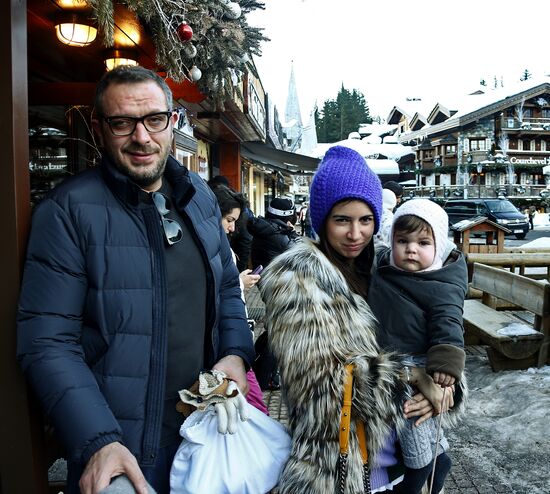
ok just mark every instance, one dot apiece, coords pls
pixel 271 237
pixel 92 308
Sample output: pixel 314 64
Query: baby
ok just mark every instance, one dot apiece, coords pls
pixel 417 294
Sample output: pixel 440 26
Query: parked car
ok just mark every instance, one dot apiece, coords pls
pixel 500 211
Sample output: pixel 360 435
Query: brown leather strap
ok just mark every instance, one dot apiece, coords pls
pixel 345 418
pixel 362 438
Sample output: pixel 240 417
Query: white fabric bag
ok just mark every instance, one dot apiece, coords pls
pixel 247 462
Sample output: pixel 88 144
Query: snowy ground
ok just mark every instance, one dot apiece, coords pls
pixel 505 436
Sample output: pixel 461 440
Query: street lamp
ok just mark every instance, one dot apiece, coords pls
pixel 466 175
pixel 479 167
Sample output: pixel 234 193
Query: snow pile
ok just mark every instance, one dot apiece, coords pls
pixel 516 329
pixel 504 435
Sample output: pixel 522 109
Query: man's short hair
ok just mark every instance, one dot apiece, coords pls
pixel 127 74
pixel 396 188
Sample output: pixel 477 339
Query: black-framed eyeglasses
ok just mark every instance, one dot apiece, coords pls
pixel 172 229
pixel 125 126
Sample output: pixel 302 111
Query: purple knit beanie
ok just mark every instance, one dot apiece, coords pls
pixel 343 174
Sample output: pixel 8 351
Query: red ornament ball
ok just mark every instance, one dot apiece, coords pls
pixel 184 32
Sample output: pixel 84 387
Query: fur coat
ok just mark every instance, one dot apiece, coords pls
pixel 316 325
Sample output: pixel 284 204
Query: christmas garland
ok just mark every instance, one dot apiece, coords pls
pixel 204 41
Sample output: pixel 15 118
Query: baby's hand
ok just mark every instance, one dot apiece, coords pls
pixel 443 379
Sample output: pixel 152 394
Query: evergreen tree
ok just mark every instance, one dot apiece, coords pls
pixel 341 116
pixel 526 75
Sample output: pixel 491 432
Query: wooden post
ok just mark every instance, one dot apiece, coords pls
pixel 22 466
pixel 230 163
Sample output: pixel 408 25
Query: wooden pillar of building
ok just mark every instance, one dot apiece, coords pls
pixel 22 468
pixel 230 162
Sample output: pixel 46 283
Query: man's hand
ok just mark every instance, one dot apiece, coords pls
pixel 233 366
pixel 110 461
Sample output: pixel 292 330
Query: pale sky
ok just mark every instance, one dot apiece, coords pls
pixel 390 50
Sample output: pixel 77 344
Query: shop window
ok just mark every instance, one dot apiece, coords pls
pixel 60 145
pixel 187 159
pixel 48 164
pixel 478 144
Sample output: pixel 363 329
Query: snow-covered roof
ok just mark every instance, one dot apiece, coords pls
pixel 366 149
pixel 409 107
pixel 383 167
pixel 465 104
pixel 376 129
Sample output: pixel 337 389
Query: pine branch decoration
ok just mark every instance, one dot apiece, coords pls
pixel 221 42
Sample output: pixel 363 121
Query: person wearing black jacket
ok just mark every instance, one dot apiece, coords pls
pixel 129 290
pixel 273 234
pixel 240 239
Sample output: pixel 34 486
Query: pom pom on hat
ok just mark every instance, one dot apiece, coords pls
pixel 343 174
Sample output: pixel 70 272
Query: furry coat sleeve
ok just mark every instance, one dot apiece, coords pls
pixel 316 325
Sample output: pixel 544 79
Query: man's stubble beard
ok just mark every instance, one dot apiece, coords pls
pixel 142 180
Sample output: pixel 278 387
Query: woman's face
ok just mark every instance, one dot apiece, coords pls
pixel 229 219
pixel 349 228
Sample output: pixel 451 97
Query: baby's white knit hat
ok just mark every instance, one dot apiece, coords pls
pixel 436 217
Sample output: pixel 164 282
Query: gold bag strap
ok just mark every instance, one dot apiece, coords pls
pixel 345 418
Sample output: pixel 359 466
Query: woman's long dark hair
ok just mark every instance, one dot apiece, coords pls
pixel 357 274
pixel 228 199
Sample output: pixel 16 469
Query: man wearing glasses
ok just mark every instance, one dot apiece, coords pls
pixel 129 291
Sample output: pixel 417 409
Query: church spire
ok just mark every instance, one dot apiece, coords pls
pixel 293 118
pixel 292 110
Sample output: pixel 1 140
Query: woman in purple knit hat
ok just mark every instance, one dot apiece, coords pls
pixel 319 321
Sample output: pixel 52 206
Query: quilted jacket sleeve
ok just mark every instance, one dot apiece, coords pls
pixel 49 330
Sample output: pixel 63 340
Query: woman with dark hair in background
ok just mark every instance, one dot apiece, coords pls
pixel 240 239
pixel 231 205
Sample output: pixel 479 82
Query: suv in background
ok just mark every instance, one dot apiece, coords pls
pixel 500 211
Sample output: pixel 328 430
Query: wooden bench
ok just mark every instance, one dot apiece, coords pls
pixel 513 261
pixel 482 320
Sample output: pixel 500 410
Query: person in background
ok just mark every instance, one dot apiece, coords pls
pixel 273 234
pixel 319 321
pixel 231 206
pixel 308 229
pixel 531 213
pixel 389 201
pixel 240 239
pixel 396 188
pixel 302 218
pixel 129 290
pixel 417 294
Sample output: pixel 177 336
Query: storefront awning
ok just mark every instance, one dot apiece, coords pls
pixel 277 159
